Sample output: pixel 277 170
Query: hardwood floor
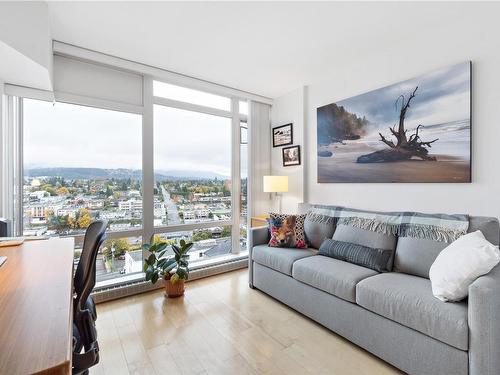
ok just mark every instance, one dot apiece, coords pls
pixel 221 326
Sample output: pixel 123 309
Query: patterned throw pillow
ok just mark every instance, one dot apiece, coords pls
pixel 287 230
pixel 364 256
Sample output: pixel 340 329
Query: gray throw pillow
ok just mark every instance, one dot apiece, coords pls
pixel 368 238
pixel 375 259
pixel 318 228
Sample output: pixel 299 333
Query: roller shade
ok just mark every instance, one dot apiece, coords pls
pixel 75 78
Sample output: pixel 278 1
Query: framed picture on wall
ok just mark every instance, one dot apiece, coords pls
pixel 283 135
pixel 291 156
pixel 418 130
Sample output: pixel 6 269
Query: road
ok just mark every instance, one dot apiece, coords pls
pixel 172 212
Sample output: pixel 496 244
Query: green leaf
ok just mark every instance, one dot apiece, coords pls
pixel 161 263
pixel 183 243
pixel 161 246
pixel 154 278
pixel 182 273
pixel 151 259
pixel 176 249
pixel 183 263
pixel 146 247
pixel 145 268
pixel 170 267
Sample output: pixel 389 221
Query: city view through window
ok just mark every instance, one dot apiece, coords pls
pixel 82 164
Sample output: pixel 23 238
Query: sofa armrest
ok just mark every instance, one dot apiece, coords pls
pixel 256 236
pixel 484 324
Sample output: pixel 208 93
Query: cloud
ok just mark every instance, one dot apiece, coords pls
pixel 442 95
pixel 65 135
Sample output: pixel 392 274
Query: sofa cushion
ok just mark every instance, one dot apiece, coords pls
pixel 368 238
pixel 331 275
pixel 487 225
pixel 415 256
pixel 317 228
pixel 279 258
pixel 408 300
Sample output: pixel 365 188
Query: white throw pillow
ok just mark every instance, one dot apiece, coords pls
pixel 460 263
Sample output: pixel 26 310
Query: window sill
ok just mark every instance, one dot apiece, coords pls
pixel 133 278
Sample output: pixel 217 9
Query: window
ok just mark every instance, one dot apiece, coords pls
pixel 243 107
pixel 82 164
pixel 183 94
pixel 192 159
pixel 118 256
pixel 193 148
pixel 244 185
pixel 208 242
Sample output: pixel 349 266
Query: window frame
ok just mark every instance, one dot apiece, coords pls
pixel 236 118
pixel 146 111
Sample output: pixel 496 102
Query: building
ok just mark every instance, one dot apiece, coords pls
pixel 130 205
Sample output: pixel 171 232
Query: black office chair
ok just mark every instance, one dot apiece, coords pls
pixel 85 346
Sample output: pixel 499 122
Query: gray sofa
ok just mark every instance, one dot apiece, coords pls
pixel 392 315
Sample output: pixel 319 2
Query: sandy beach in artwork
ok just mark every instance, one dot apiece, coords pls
pixel 342 166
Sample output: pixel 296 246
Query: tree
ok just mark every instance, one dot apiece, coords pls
pixel 109 192
pixel 201 235
pixel 405 148
pixel 226 232
pixel 61 224
pixel 120 245
pixel 62 191
pixel 83 218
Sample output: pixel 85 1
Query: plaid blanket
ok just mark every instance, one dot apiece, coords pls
pixel 437 227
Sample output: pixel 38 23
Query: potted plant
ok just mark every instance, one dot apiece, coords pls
pixel 174 269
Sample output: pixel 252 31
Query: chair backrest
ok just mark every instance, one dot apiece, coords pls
pixel 85 274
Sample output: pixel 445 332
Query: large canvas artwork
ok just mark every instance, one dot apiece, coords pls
pixel 417 130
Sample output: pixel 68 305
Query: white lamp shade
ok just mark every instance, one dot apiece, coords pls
pixel 275 184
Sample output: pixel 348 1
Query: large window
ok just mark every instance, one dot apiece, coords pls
pixel 244 184
pixel 83 163
pixel 193 169
pixel 192 158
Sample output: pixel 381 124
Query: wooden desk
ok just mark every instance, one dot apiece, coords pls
pixel 36 322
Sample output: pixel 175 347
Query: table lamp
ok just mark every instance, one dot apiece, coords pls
pixel 276 185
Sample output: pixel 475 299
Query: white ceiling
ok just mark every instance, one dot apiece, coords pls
pixel 264 48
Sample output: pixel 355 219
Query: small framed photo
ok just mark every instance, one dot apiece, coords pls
pixel 283 135
pixel 291 156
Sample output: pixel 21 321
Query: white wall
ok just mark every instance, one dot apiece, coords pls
pixel 289 109
pixel 470 33
pixel 25 44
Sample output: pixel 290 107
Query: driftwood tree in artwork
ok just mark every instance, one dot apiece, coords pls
pixel 405 148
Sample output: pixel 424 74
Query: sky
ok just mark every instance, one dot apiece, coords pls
pixel 443 96
pixel 65 135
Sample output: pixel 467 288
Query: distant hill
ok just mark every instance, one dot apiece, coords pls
pixel 120 173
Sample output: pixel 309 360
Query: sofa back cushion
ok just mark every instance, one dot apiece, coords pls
pixel 318 228
pixel 415 256
pixel 487 225
pixel 363 237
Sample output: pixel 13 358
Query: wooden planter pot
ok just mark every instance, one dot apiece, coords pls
pixel 174 290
